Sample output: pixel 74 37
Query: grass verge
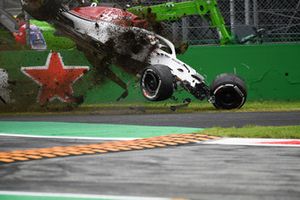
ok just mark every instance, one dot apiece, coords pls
pixel 196 106
pixel 287 132
pixel 145 107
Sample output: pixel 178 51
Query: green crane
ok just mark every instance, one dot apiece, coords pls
pixel 172 11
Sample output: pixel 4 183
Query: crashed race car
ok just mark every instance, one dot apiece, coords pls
pixel 109 35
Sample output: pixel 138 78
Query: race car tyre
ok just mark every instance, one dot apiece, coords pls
pixel 229 91
pixel 157 83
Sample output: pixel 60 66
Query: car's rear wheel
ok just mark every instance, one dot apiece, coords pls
pixel 229 91
pixel 157 83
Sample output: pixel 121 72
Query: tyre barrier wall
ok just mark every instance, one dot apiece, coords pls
pixel 38 78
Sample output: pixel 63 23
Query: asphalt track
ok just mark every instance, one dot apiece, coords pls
pixel 194 171
pixel 196 120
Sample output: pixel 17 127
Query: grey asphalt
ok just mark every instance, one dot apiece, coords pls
pixel 194 172
pixel 197 120
pixel 197 171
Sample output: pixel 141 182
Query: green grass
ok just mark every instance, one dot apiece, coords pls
pixel 290 132
pixel 197 106
pixel 271 106
pixel 146 107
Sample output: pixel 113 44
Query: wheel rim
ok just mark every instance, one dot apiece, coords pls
pixel 229 97
pixel 150 84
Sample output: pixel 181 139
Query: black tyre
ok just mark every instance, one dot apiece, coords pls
pixel 229 91
pixel 157 83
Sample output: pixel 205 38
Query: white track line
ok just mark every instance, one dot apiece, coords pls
pixel 86 196
pixel 65 137
pixel 222 141
pixel 255 142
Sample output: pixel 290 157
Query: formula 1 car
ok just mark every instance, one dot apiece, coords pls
pixel 109 35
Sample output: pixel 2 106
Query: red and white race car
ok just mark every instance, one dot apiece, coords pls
pixel 109 35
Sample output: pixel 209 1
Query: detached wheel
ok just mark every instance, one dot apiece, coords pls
pixel 229 91
pixel 157 83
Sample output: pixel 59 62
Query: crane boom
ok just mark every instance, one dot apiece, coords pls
pixel 172 11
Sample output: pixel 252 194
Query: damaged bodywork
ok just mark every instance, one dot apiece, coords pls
pixel 109 35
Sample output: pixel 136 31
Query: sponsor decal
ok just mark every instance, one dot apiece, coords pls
pixel 55 79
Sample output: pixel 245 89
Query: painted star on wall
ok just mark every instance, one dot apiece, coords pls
pixel 55 79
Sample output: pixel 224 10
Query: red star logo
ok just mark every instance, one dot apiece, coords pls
pixel 55 79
